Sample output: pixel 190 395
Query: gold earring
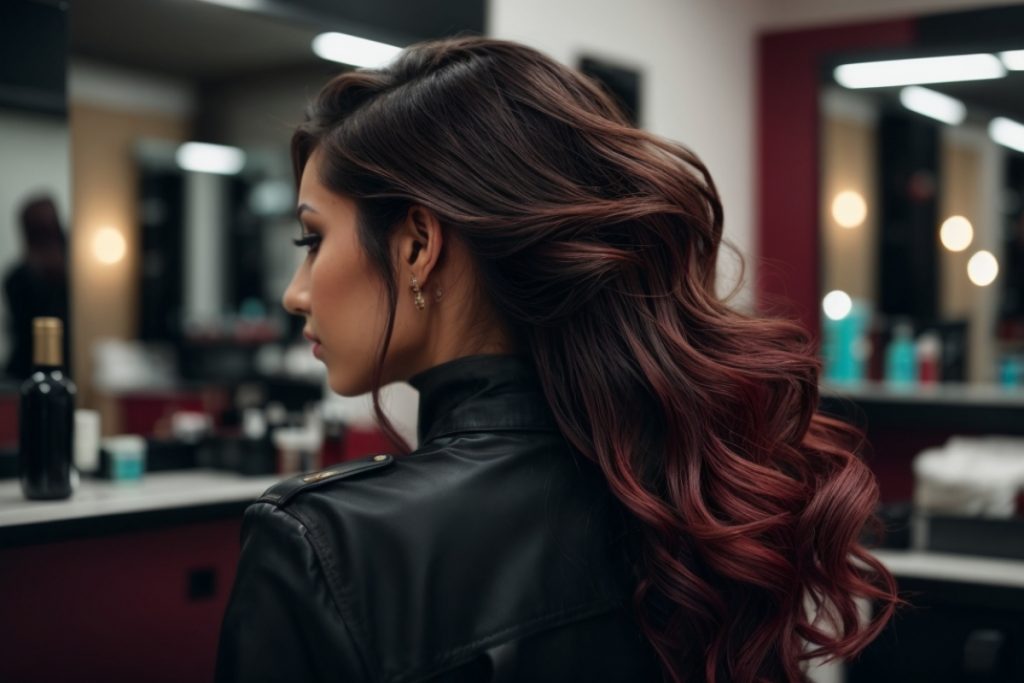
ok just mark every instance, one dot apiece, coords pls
pixel 418 294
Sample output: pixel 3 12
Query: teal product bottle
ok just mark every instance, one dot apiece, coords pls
pixel 845 346
pixel 1011 371
pixel 900 357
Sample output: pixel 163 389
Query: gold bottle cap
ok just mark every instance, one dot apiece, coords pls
pixel 47 337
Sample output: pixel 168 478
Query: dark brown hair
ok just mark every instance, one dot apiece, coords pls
pixel 596 244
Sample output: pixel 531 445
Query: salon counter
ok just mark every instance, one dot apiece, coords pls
pixel 119 568
pixel 100 507
pixel 122 581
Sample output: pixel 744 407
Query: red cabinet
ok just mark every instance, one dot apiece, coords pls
pixel 140 606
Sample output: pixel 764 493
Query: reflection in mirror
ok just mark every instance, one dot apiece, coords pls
pixel 922 221
pixel 178 263
pixel 216 228
pixel 179 266
pixel 35 195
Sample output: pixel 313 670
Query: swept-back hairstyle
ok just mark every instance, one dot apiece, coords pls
pixel 596 244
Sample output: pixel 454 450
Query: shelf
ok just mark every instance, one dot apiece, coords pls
pixel 953 408
pixel 948 393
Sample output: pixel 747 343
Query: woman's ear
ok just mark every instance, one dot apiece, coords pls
pixel 420 240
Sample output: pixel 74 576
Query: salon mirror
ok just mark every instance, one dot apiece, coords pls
pixel 35 195
pixel 922 208
pixel 182 112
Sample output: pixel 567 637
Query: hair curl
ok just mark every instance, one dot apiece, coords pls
pixel 596 243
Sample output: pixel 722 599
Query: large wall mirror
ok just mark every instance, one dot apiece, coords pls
pixel 181 113
pixel 922 206
pixel 35 192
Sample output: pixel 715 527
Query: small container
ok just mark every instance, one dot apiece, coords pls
pixel 87 441
pixel 298 449
pixel 258 456
pixel 127 457
pixel 191 426
pixel 928 353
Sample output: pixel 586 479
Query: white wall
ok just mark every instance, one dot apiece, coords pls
pixel 696 59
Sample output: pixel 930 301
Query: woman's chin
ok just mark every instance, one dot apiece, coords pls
pixel 344 386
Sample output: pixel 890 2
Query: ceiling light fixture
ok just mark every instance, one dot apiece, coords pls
pixel 359 52
pixel 976 67
pixel 204 157
pixel 1013 60
pixel 1007 132
pixel 933 104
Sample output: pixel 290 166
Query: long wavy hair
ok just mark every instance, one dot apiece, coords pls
pixel 596 243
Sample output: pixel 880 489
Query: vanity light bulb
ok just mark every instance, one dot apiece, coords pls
pixel 956 233
pixel 837 304
pixel 849 209
pixel 983 268
pixel 109 246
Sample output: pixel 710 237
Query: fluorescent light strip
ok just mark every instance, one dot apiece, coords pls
pixel 1013 60
pixel 975 67
pixel 204 157
pixel 1007 132
pixel 360 52
pixel 933 104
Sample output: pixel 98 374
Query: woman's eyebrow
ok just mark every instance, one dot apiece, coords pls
pixel 304 207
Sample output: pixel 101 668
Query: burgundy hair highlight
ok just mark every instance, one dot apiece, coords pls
pixel 597 245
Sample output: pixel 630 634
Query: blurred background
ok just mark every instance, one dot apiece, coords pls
pixel 146 199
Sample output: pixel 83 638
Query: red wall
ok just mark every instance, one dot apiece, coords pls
pixel 787 159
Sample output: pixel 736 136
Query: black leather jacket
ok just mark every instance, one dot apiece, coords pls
pixel 492 553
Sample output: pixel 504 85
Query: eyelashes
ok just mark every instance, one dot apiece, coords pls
pixel 310 240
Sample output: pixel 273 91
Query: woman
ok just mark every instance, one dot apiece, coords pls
pixel 618 478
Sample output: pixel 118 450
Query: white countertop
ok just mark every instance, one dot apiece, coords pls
pixel 156 491
pixel 920 564
pixel 182 489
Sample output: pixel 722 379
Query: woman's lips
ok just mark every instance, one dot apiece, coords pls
pixel 316 344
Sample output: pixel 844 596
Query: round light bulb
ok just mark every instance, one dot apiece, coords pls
pixel 109 246
pixel 983 268
pixel 956 233
pixel 849 209
pixel 837 304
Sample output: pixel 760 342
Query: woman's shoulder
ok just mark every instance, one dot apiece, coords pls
pixel 442 482
pixel 517 522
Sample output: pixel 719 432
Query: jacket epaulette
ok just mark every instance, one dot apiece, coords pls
pixel 280 493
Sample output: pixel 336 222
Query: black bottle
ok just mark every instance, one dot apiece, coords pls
pixel 47 417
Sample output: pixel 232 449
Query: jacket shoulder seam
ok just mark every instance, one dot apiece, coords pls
pixel 281 493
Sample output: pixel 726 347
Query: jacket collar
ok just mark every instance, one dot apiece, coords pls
pixel 482 392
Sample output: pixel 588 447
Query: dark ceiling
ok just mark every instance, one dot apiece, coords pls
pixel 199 40
pixel 987 30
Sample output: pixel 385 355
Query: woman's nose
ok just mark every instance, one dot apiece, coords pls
pixel 296 296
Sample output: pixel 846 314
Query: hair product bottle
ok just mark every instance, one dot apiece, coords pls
pixel 900 358
pixel 47 418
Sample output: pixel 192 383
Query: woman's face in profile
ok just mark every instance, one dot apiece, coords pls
pixel 336 288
